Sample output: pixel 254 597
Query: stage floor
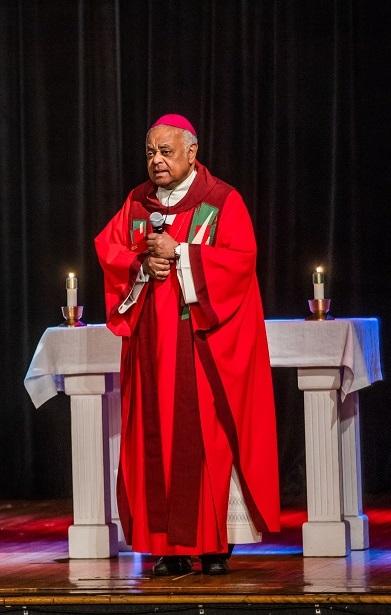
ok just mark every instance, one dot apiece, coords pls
pixel 35 569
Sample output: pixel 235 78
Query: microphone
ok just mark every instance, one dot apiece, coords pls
pixel 157 221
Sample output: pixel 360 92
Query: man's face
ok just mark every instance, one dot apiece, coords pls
pixel 169 161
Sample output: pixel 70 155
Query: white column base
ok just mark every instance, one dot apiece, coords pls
pixel 326 539
pixel 93 541
pixel 351 467
pixel 359 531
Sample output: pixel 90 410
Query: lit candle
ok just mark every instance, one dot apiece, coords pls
pixel 318 281
pixel 71 286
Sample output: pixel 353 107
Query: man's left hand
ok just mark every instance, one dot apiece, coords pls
pixel 162 245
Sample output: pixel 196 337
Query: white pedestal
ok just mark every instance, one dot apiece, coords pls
pixel 326 533
pixel 114 412
pixel 92 534
pixel 351 466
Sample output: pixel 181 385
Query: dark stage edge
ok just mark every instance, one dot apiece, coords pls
pixel 199 605
pixel 193 599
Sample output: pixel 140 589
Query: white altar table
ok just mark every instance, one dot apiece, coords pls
pixel 334 359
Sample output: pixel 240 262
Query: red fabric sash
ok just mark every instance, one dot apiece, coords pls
pixel 176 514
pixel 187 447
pixel 154 471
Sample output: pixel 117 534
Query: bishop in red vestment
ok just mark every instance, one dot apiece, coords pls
pixel 197 397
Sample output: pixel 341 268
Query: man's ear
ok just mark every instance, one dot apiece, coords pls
pixel 192 152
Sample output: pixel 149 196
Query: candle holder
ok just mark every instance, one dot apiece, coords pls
pixel 72 316
pixel 319 309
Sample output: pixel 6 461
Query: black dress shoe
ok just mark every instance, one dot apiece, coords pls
pixel 172 564
pixel 214 564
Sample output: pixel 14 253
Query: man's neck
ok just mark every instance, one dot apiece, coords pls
pixel 171 196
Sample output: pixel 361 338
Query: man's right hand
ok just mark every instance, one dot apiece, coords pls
pixel 157 268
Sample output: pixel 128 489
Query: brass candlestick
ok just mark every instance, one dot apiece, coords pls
pixel 319 309
pixel 72 316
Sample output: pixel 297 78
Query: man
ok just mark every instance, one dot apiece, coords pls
pixel 197 400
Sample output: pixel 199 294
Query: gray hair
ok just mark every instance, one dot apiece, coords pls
pixel 188 137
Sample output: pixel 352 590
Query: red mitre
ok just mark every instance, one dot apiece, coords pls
pixel 178 121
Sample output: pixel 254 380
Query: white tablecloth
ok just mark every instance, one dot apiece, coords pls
pixel 352 344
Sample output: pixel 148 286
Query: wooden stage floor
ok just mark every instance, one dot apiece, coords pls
pixel 35 569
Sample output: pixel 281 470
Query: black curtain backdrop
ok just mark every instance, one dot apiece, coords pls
pixel 291 103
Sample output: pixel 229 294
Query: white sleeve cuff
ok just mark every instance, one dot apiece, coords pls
pixel 135 291
pixel 185 275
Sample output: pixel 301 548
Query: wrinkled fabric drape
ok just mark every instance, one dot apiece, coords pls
pixel 290 101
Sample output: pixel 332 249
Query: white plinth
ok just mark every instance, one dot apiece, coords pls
pixel 93 541
pixel 92 535
pixel 359 532
pixel 326 539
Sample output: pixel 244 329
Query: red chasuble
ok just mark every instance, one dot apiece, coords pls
pixel 196 385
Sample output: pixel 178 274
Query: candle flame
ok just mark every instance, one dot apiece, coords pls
pixel 71 275
pixel 319 270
